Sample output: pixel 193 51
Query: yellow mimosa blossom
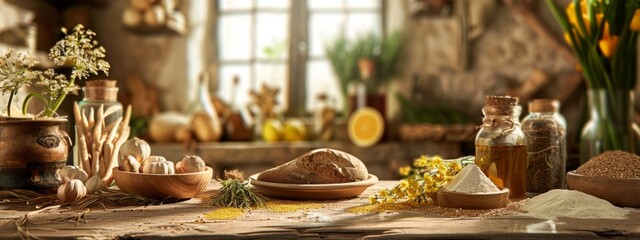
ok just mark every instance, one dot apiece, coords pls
pixel 635 21
pixel 373 199
pixel 403 184
pixel 413 183
pixel 456 167
pixel 383 193
pixel 425 177
pixel 428 180
pixel 420 162
pixel 404 171
pixel 429 189
pixel 400 194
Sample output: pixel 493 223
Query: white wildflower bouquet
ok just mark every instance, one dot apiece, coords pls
pixel 79 50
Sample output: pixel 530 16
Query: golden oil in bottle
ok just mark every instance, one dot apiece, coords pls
pixel 506 166
pixel 501 146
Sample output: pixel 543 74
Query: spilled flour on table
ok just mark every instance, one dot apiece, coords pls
pixel 574 204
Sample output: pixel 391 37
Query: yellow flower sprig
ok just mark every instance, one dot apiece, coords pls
pixel 422 180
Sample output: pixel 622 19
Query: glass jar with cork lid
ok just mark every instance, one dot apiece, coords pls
pixel 545 130
pixel 100 93
pixel 501 146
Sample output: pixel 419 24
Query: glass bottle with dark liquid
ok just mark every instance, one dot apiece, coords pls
pixel 501 147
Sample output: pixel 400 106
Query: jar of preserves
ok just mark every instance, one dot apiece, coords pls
pixel 545 130
pixel 501 146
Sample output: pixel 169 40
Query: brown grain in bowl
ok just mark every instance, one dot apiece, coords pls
pixel 617 164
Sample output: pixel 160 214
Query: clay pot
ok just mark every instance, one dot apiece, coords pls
pixel 31 152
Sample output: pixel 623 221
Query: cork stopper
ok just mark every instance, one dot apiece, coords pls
pixel 101 90
pixel 544 105
pixel 101 83
pixel 501 101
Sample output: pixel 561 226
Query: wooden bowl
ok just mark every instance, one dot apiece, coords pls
pixel 473 200
pixel 160 186
pixel 312 191
pixel 624 192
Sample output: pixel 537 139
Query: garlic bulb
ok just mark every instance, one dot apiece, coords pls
pixel 157 165
pixel 136 147
pixel 130 164
pixel 72 190
pixel 69 172
pixel 190 164
pixel 95 184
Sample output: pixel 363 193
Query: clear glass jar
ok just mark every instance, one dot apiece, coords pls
pixel 97 93
pixel 501 146
pixel 545 130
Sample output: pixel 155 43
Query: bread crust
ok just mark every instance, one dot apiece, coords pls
pixel 320 166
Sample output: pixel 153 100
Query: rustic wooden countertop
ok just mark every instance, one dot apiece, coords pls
pixel 185 220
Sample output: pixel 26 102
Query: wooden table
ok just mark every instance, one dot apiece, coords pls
pixel 185 220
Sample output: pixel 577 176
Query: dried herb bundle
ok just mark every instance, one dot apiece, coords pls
pixel 236 192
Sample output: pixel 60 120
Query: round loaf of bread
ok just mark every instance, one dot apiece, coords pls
pixel 319 166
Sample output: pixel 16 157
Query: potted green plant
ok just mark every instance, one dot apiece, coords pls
pixel 33 145
pixel 370 59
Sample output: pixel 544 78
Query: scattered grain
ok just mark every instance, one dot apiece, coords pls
pixel 513 208
pixel 225 213
pixel 281 206
pixel 617 164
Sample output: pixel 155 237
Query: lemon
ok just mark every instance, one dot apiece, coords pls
pixel 294 130
pixel 272 130
pixel 365 127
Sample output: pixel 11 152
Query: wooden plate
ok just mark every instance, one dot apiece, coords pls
pixel 624 192
pixel 473 200
pixel 312 191
pixel 161 186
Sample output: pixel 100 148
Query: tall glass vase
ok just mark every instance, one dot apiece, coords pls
pixel 611 125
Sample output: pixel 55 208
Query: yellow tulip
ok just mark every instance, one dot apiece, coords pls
pixel 608 45
pixel 635 21
pixel 573 19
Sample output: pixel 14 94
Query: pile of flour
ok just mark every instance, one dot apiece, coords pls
pixel 574 204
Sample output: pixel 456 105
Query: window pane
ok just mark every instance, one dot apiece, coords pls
pixel 225 83
pixel 273 4
pixel 235 37
pixel 323 28
pixel 364 4
pixel 235 4
pixel 325 4
pixel 362 23
pixel 275 75
pixel 321 79
pixel 272 35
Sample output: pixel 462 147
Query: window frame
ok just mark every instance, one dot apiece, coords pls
pixel 298 46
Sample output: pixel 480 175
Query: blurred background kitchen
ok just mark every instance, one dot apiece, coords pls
pixel 286 76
